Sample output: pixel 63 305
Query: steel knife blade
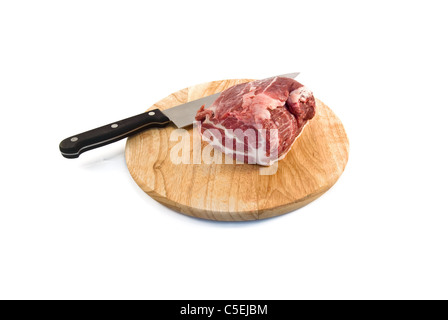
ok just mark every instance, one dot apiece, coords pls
pixel 182 116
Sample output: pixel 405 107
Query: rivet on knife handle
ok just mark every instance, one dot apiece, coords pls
pixel 73 146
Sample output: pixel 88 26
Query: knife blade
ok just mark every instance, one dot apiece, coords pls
pixel 181 116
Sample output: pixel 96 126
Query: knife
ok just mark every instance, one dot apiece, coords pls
pixel 181 116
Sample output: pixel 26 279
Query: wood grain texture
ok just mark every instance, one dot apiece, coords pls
pixel 238 192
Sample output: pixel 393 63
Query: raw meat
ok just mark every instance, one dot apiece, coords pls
pixel 258 121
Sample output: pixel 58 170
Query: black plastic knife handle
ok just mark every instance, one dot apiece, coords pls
pixel 73 146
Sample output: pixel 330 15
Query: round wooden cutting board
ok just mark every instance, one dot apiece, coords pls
pixel 237 192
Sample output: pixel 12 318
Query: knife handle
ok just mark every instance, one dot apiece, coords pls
pixel 73 146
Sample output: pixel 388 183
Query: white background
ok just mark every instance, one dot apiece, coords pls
pixel 83 229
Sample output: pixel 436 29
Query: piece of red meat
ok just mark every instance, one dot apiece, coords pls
pixel 258 121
